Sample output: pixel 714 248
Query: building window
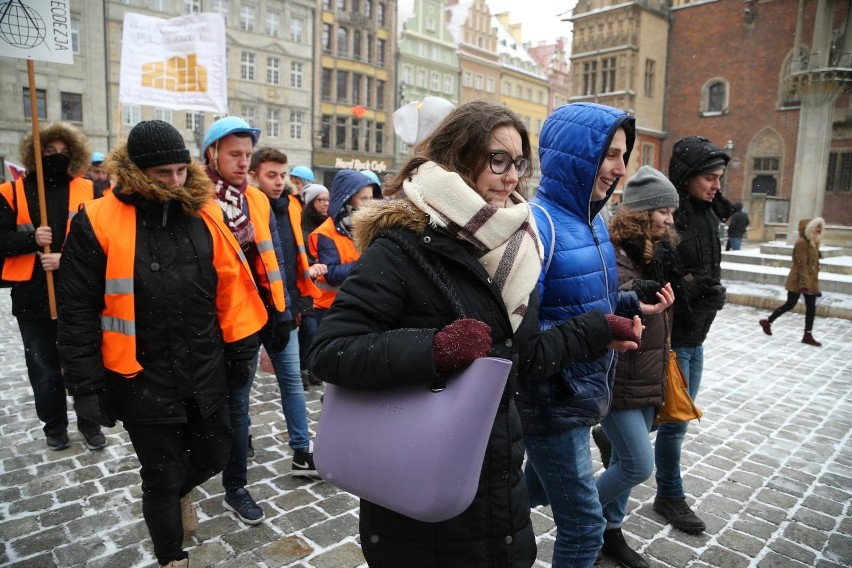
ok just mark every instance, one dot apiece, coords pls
pixel 341 5
pixel 380 94
pixel 369 99
pixel 273 70
pixel 435 81
pixel 273 122
pixel 247 18
pixel 163 114
pixel 326 38
pixel 297 29
pixel 370 49
pixel 221 7
pixel 75 35
pixel 765 171
pixel 507 88
pixel 430 23
pixel 380 14
pixel 342 42
pixel 357 82
pixel 160 5
pixel 342 81
pixel 41 103
pixel 194 120
pixel 131 115
pixel 326 84
pixel 519 91
pixel 467 79
pixel 297 70
pixel 448 84
pixel 356 44
pixel 590 77
pixel 340 133
pixel 478 82
pixel 273 23
pixel 380 137
pixel 368 9
pixel 72 107
pixel 190 7
pixel 406 74
pixel 297 122
pixel 325 132
pixel 714 97
pixel 249 114
pixel 839 178
pixel 647 154
pixel 380 52
pixel 489 84
pixel 421 77
pixel 356 134
pixel 650 72
pixel 247 66
pixel 608 75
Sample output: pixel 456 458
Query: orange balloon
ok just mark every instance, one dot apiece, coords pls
pixel 359 111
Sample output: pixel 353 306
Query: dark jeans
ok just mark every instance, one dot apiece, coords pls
pixel 176 458
pixel 45 374
pixel 792 298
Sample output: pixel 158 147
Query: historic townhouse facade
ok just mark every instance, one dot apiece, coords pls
pixel 479 63
pixel 553 60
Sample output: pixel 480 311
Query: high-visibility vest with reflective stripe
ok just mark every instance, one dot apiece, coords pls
pixel 19 268
pixel 303 280
pixel 239 308
pixel 345 249
pixel 267 269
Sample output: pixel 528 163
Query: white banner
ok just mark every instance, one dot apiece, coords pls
pixel 36 29
pixel 177 64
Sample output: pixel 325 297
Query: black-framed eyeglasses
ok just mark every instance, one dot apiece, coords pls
pixel 501 162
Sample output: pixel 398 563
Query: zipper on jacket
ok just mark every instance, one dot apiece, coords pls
pixel 165 212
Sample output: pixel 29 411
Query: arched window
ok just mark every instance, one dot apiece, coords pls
pixel 714 97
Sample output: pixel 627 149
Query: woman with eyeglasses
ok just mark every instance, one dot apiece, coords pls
pixel 456 208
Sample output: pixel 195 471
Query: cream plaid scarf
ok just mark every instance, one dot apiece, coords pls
pixel 506 239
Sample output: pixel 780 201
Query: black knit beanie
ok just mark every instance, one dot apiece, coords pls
pixel 692 156
pixel 156 143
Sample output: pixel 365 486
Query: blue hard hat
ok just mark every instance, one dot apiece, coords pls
pixel 228 125
pixel 98 157
pixel 372 175
pixel 302 172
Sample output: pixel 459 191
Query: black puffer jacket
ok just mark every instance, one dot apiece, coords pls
pixel 179 341
pixel 378 333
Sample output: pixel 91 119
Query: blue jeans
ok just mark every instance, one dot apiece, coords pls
pixel 45 373
pixel 559 473
pixel 632 460
pixel 670 436
pixel 736 242
pixel 286 365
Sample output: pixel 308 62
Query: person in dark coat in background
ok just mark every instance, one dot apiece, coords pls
pixel 737 225
pixel 158 315
pixel 314 214
pixel 803 278
pixel 65 157
pixel 696 169
pixel 391 325
pixel 647 264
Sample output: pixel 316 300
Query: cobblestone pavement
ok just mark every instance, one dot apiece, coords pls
pixel 769 468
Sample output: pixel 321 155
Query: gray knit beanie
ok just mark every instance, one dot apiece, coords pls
pixel 312 192
pixel 648 190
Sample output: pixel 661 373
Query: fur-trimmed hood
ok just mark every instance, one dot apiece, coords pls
pixel 377 215
pixel 808 227
pixel 133 184
pixel 78 147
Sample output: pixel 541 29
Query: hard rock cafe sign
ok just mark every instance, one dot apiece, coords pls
pixel 355 164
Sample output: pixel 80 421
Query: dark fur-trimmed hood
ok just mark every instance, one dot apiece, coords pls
pixel 131 182
pixel 78 147
pixel 378 215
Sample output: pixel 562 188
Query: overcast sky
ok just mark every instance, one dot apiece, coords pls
pixel 538 17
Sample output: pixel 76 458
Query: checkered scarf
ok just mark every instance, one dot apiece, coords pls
pixel 506 239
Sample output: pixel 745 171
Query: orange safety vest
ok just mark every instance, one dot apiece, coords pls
pixel 303 280
pixel 345 248
pixel 238 307
pixel 19 268
pixel 267 267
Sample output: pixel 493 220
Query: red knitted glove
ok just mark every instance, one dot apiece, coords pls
pixel 622 328
pixel 460 343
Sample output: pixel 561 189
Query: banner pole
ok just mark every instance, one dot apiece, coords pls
pixel 42 205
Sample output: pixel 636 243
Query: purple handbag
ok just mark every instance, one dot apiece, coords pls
pixel 411 449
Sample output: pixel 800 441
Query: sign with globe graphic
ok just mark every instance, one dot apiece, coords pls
pixel 36 29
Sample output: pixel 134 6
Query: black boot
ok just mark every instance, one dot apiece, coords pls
pixel 603 444
pixel 809 339
pixel 617 548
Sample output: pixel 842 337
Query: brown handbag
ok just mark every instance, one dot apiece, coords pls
pixel 677 405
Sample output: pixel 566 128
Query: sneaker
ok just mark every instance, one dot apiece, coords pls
pixel 250 450
pixel 243 506
pixel 303 464
pixel 617 548
pixel 188 515
pixel 57 442
pixel 603 444
pixel 766 325
pixel 679 514
pixel 95 441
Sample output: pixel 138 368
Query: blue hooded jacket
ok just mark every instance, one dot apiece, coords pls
pixel 345 184
pixel 580 273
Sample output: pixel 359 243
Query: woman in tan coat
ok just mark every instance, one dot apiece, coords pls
pixel 803 278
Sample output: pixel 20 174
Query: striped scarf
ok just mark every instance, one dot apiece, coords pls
pixel 230 199
pixel 506 239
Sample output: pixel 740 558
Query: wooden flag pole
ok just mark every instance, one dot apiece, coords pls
pixel 42 205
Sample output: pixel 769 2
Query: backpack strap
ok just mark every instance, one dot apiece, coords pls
pixel 552 234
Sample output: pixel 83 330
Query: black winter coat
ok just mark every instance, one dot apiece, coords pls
pixel 178 339
pixel 378 333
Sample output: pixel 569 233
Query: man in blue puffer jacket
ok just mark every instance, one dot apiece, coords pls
pixel 584 149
